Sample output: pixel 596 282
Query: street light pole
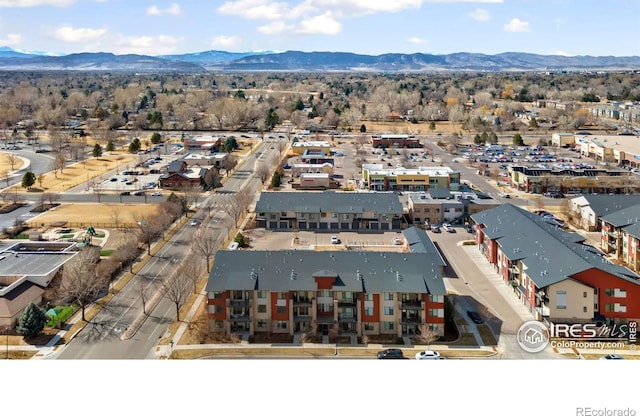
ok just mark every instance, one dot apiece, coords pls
pixel 7 344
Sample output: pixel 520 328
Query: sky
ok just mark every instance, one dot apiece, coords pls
pixel 373 27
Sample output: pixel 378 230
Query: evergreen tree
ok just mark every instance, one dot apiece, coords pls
pixel 28 179
pixel 31 321
pixel 135 146
pixel 97 150
pixel 110 146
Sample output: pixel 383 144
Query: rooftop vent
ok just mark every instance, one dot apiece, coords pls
pixel 254 275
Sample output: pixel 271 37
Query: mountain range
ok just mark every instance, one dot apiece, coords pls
pixel 14 60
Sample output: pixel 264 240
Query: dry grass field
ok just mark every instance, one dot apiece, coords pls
pixel 95 214
pixel 5 164
pixel 405 127
pixel 82 172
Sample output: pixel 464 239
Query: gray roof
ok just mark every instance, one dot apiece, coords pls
pixel 633 230
pixel 340 202
pixel 290 270
pixel 549 253
pixel 419 242
pixel 623 217
pixel 440 193
pixel 606 204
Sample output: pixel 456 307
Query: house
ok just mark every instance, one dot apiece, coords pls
pixel 26 269
pixel 343 292
pixel 552 272
pixel 180 176
pixel 324 211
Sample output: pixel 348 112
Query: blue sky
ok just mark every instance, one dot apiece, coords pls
pixel 152 27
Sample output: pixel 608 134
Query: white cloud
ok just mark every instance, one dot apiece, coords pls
pixel 417 41
pixel 324 24
pixel 275 28
pixel 173 9
pixel 225 41
pixel 481 15
pixel 35 3
pixel 562 53
pixel 517 25
pixel 145 45
pixel 12 39
pixel 71 34
pixel 258 9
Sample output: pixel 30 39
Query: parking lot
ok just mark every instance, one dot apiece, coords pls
pixel 261 239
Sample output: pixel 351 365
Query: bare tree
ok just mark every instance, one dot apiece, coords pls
pixel 80 284
pixel 211 178
pixel 143 295
pixel 13 159
pixel 262 171
pixel 149 230
pixel 205 245
pixel 176 289
pixel 190 194
pixel 229 163
pixel 192 269
pixel 282 146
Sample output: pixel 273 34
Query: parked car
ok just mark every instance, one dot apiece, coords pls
pixel 195 222
pixel 504 195
pixel 612 357
pixel 448 228
pixel 156 194
pixel 469 228
pixel 113 179
pixel 125 193
pixel 391 353
pixel 475 317
pixel 139 193
pixel 396 241
pixel 428 355
pixel 335 239
pixel 435 228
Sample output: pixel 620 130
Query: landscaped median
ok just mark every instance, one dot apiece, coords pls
pixel 187 352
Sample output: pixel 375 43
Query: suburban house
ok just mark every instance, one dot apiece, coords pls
pixel 586 211
pixel 26 269
pixel 437 205
pixel 376 178
pixel 337 292
pixel 180 176
pixel 326 211
pixel 553 272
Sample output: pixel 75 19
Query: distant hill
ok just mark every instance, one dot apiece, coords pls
pixel 13 60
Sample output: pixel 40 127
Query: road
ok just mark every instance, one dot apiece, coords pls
pixel 100 339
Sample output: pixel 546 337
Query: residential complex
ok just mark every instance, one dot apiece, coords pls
pixel 334 292
pixel 329 211
pixel 553 272
pixel 376 178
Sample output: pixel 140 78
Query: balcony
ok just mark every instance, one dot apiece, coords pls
pixel 302 301
pixel 411 320
pixel 301 318
pixel 346 302
pixel 240 318
pixel 347 318
pixel 412 304
pixel 238 303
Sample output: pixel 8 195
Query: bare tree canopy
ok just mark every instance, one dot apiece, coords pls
pixel 80 283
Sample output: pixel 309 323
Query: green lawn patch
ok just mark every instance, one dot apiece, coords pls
pixel 106 253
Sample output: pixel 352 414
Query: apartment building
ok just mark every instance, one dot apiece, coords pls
pixel 440 205
pixel 360 293
pixel 553 273
pixel 324 211
pixel 377 178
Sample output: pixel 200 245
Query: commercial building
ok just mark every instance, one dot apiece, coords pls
pixel 436 206
pixel 299 147
pixel 376 178
pixel 342 293
pixel 395 140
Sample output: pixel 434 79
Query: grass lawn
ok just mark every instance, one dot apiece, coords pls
pixel 96 213
pixel 5 163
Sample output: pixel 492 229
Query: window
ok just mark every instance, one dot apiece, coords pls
pixel 281 309
pixel 561 299
pixel 281 324
pixel 434 298
pixel 433 312
pixel 217 308
pixel 388 326
pixel 325 307
pixel 262 294
pixel 282 295
pixel 368 326
pixel 388 310
pixel 434 327
pixel 218 295
pixel 584 309
pixel 323 215
pixel 368 296
pixel 584 295
pixel 262 323
pixel 334 215
pixel 388 296
pixel 368 311
pixel 347 296
pixel 324 293
pixel 219 324
pixel 262 308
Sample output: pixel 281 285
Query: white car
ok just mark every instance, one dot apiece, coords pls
pixel 335 239
pixel 428 355
pixel 396 241
pixel 448 228
pixel 195 222
pixel 504 195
